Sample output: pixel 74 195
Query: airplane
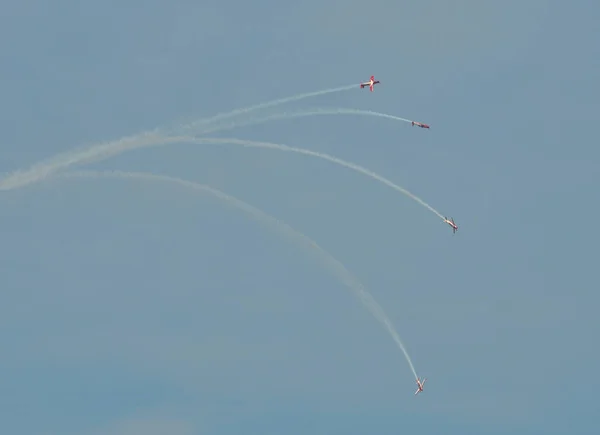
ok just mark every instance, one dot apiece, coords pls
pixel 370 83
pixel 451 223
pixel 418 124
pixel 420 385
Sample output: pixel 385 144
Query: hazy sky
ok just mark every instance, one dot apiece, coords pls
pixel 140 307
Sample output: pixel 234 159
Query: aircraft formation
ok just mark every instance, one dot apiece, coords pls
pixel 371 84
pixel 101 151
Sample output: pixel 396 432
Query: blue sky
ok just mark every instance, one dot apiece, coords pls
pixel 145 308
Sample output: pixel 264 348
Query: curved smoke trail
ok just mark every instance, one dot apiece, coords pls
pixel 332 159
pixel 272 103
pixel 335 266
pixel 101 152
pixel 43 169
pixel 336 160
pixel 291 115
pixel 39 171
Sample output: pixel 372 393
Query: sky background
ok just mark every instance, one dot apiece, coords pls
pixel 133 307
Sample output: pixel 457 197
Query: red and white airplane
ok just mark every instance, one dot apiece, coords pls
pixel 451 223
pixel 420 385
pixel 418 124
pixel 370 83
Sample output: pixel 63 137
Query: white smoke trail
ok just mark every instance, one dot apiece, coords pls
pixel 335 266
pixel 43 169
pixel 105 150
pixel 278 102
pixel 336 160
pixel 291 115
pixel 40 171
